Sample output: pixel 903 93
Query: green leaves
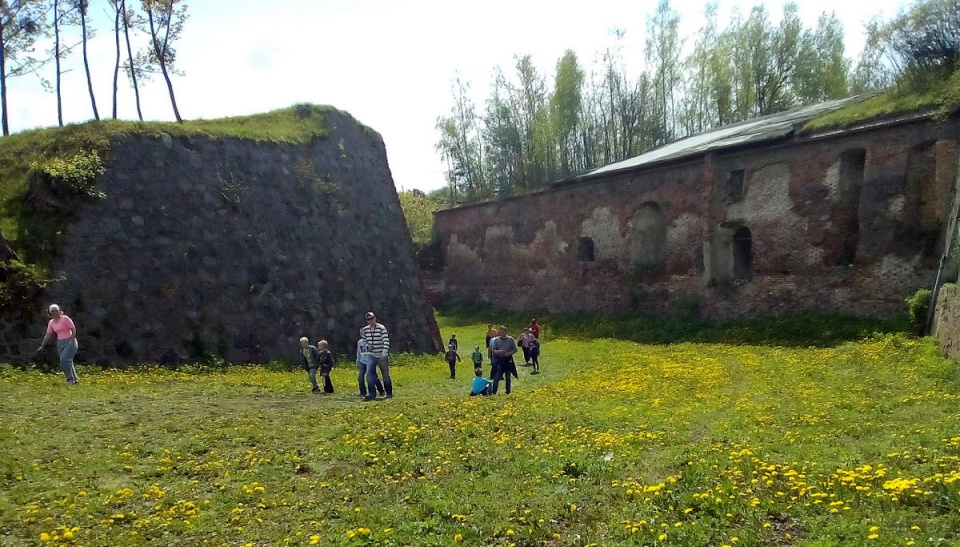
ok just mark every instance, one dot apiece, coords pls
pixel 78 172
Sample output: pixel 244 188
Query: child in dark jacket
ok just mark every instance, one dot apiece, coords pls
pixel 452 358
pixel 309 360
pixel 326 361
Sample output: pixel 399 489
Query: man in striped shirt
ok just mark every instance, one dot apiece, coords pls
pixel 378 344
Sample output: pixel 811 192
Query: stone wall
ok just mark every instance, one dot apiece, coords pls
pixel 237 248
pixel 849 222
pixel 946 321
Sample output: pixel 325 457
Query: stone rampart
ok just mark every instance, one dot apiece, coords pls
pixel 236 248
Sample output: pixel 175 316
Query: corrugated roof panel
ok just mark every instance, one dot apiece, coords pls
pixel 767 128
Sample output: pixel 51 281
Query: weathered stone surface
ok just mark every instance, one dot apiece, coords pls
pixel 849 222
pixel 219 253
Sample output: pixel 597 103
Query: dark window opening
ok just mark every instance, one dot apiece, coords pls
pixel 735 189
pixel 742 253
pixel 846 209
pixel 585 249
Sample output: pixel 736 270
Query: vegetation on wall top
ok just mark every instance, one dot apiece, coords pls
pixel 940 99
pixel 21 153
pixel 47 175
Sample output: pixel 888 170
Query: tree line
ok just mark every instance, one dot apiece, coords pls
pixel 533 131
pixel 36 36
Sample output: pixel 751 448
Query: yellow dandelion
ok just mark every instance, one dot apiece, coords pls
pixel 458 538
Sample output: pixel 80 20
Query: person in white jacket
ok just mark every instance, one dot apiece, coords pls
pixel 364 359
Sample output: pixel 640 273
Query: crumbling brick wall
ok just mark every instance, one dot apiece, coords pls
pixel 846 222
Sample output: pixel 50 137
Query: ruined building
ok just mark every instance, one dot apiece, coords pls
pixel 758 218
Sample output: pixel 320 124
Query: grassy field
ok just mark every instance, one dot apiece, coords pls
pixel 616 443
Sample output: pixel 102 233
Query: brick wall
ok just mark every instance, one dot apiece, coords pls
pixel 834 225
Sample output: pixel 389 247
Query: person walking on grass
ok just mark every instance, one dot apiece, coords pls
pixel 365 359
pixel 535 328
pixel 326 360
pixel 524 344
pixel 378 343
pixel 66 333
pixel 534 347
pixel 452 358
pixel 310 361
pixel 491 334
pixel 503 347
pixel 477 357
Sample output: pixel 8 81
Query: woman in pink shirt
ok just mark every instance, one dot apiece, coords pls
pixel 66 332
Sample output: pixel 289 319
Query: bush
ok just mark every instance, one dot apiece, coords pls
pixel 918 306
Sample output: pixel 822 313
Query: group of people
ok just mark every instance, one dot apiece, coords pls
pixel 373 352
pixel 373 355
pixel 501 348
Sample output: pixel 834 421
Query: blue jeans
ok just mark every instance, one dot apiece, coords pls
pixel 362 379
pixel 384 364
pixel 312 373
pixel 67 349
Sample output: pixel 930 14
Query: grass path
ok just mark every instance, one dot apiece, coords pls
pixel 616 443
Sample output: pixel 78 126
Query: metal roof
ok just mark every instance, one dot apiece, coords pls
pixel 766 128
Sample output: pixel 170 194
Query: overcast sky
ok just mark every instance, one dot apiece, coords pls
pixel 390 63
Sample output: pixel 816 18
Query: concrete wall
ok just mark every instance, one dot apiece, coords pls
pixel 237 248
pixel 851 222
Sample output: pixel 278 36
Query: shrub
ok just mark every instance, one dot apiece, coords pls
pixel 918 306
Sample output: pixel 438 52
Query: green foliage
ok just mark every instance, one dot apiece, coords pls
pixel 78 172
pixel 801 330
pixel 918 307
pixel 418 210
pixel 20 284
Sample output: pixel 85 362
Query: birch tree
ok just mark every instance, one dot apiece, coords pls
pixel 166 19
pixel 21 23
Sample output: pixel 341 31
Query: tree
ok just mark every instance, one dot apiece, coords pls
pixel 166 18
pixel 82 7
pixel 565 109
pixel 822 69
pixel 528 103
pixel 461 147
pixel 922 44
pixel 699 99
pixel 873 71
pixel 502 141
pixel 127 17
pixel 20 25
pixel 56 56
pixel 418 210
pixel 663 59
pixel 616 110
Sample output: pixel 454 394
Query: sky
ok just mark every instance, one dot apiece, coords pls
pixel 389 63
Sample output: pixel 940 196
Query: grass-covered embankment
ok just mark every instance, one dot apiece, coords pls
pixel 616 443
